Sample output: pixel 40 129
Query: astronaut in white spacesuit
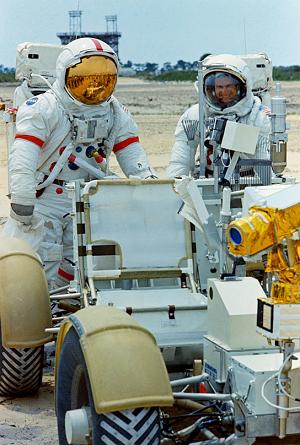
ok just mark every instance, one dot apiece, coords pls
pixel 227 93
pixel 65 134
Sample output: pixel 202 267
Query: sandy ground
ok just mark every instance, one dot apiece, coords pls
pixel 156 108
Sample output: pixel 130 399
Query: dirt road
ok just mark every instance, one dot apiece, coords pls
pixel 156 108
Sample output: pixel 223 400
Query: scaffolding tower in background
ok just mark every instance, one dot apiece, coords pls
pixel 111 36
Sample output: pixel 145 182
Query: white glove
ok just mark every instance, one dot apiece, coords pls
pixel 33 232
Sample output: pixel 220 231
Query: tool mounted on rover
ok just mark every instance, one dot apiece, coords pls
pixel 272 226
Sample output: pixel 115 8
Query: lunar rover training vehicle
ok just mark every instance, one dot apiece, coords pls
pixel 186 298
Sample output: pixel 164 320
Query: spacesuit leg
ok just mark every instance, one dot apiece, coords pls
pixel 65 272
pixel 51 208
pixel 51 249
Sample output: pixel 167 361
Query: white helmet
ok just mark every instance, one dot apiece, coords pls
pixel 86 71
pixel 227 85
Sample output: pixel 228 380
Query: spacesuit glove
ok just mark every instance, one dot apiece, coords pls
pixel 151 177
pixel 21 213
pixel 150 173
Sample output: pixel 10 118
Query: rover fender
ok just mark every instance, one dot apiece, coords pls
pixel 24 299
pixel 125 367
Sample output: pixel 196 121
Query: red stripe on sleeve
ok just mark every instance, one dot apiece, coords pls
pixel 97 44
pixel 66 275
pixel 33 139
pixel 125 143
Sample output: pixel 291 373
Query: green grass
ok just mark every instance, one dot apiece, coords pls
pixel 171 76
pixel 286 72
pixel 7 77
pixel 279 73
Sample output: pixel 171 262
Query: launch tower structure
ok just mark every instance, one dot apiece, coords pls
pixel 111 36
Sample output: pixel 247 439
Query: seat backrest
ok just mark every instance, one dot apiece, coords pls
pixel 134 224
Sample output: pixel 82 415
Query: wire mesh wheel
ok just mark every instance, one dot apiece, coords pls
pixel 21 370
pixel 138 426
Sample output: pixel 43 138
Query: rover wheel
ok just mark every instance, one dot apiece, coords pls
pixel 21 370
pixel 137 426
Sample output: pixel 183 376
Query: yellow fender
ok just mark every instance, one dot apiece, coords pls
pixel 24 299
pixel 125 366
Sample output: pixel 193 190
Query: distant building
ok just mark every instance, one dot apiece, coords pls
pixel 111 36
pixel 127 72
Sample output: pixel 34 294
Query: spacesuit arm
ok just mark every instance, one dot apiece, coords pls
pixel 183 152
pixel 263 143
pixel 23 161
pixel 21 94
pixel 129 152
pixel 31 133
pixel 260 117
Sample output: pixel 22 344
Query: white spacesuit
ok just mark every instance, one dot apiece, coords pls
pixel 228 93
pixel 21 94
pixel 65 134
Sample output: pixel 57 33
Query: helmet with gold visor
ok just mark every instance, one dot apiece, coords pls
pixel 91 80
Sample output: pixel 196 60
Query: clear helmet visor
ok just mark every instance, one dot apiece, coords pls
pixel 223 89
pixel 92 80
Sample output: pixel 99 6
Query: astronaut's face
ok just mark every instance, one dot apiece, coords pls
pixel 223 89
pixel 226 91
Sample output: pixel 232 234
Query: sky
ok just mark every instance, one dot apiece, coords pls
pixel 162 30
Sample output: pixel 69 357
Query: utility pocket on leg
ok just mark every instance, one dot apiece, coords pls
pixel 51 251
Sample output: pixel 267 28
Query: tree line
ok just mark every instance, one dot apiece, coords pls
pixel 7 74
pixel 150 67
pixel 184 70
pixel 180 71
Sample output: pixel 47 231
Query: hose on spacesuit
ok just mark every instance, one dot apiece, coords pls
pixel 110 141
pixel 57 168
pixel 71 117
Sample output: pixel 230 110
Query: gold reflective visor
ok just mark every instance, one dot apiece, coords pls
pixel 93 80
